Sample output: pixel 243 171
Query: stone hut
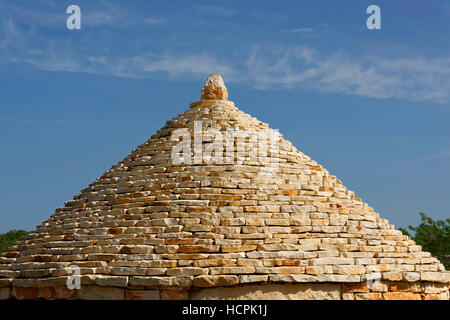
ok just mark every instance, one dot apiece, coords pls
pixel 216 205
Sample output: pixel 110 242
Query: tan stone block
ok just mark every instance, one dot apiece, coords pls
pixel 405 287
pixel 349 269
pixel 186 271
pixel 231 270
pixel 280 270
pixel 57 292
pixel 53 281
pixel 332 261
pixel 378 286
pixel 198 248
pixel 297 291
pixel 112 281
pixel 437 296
pixel 35 273
pixel 411 276
pixel 434 287
pixel 443 277
pixel 298 208
pixel 328 253
pixel 238 248
pixel 212 262
pixel 300 220
pixel 348 296
pixel 368 296
pixel 128 271
pixel 355 287
pixel 162 263
pixel 137 281
pixel 100 293
pixel 391 276
pixel 215 281
pixel 249 262
pixel 316 270
pixel 338 278
pixel 401 296
pixel 253 278
pixel 293 278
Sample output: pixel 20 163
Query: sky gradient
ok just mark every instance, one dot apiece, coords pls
pixel 371 106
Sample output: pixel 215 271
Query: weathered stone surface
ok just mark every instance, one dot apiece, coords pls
pixel 214 88
pixel 100 293
pixel 401 296
pixel 368 296
pixel 57 292
pixel 271 292
pixel 112 281
pixel 293 278
pixel 332 261
pixel 215 281
pixel 253 278
pixel 443 277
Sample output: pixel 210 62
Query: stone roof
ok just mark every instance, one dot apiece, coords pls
pixel 281 218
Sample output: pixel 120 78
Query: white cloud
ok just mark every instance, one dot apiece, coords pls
pixel 308 33
pixel 210 9
pixel 419 160
pixel 154 21
pixel 267 66
pixel 416 79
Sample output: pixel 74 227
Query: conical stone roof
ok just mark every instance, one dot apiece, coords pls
pixel 154 228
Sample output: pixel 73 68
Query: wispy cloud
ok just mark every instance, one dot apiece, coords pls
pixel 267 66
pixel 308 32
pixel 155 21
pixel 217 10
pixel 104 14
pixel 416 79
pixel 419 160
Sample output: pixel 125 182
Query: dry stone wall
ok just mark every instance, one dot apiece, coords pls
pixel 148 228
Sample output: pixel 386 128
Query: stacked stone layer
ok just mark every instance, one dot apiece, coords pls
pixel 150 229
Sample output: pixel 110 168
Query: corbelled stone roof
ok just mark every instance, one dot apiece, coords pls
pixel 148 221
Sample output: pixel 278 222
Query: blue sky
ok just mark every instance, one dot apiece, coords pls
pixel 371 106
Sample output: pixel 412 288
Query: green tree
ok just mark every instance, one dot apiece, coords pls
pixel 10 238
pixel 433 236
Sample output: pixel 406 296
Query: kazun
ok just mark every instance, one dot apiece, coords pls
pixel 151 229
pixel 193 310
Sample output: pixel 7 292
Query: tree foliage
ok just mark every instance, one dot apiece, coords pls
pixel 433 236
pixel 10 238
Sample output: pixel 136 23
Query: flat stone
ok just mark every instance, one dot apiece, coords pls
pixel 206 281
pixel 293 278
pixel 270 292
pixel 332 261
pixel 112 281
pixel 100 293
pixel 401 296
pixel 443 277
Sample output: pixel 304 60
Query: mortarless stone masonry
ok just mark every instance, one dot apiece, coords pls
pixel 149 229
